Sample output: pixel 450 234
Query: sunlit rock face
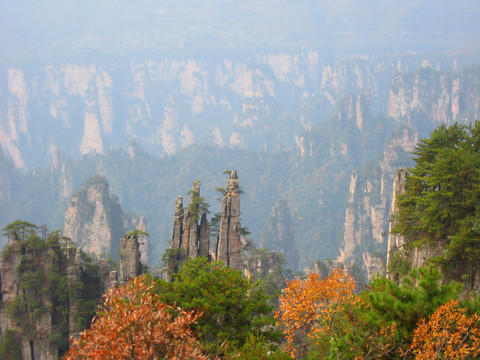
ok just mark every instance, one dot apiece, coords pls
pixel 432 96
pixel 170 103
pixel 94 219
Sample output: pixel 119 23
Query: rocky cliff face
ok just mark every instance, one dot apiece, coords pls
pixel 401 252
pixel 167 103
pixel 34 330
pixel 164 102
pixel 367 214
pixel 50 289
pixel 395 241
pixel 349 136
pixel 94 219
pixel 140 223
pixel 62 173
pixel 36 304
pixel 267 265
pixel 8 176
pixel 428 96
pixel 418 102
pixel 96 222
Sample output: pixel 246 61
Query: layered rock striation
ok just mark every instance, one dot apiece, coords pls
pixel 95 107
pixel 429 96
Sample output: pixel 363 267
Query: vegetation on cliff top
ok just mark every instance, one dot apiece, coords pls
pixel 441 206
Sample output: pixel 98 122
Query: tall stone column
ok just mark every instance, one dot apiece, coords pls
pixel 10 284
pixel 229 247
pixel 74 275
pixel 129 258
pixel 177 232
pixel 395 241
pixel 192 236
pixel 204 237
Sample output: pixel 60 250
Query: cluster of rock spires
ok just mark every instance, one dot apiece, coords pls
pixel 93 221
pixel 191 239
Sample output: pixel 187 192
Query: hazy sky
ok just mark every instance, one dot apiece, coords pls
pixel 52 29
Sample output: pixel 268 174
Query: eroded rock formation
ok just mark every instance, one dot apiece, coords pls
pixel 368 207
pixel 177 234
pixel 429 95
pixel 74 275
pixel 141 223
pixel 35 299
pixel 397 246
pixel 94 219
pixel 395 241
pixel 130 266
pixel 189 238
pixel 229 246
pixel 50 289
pixel 261 263
pixel 96 222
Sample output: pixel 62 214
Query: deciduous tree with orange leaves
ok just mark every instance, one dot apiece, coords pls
pixel 303 303
pixel 448 334
pixel 324 319
pixel 132 323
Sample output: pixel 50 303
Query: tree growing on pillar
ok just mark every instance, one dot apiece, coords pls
pixel 189 238
pixel 229 246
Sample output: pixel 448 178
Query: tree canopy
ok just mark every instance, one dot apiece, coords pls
pixel 133 323
pixel 233 307
pixel 441 206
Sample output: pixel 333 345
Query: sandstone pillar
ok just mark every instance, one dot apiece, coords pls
pixel 129 258
pixel 229 247
pixel 395 241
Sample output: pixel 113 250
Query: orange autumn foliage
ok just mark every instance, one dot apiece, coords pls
pixel 303 301
pixel 132 323
pixel 448 334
